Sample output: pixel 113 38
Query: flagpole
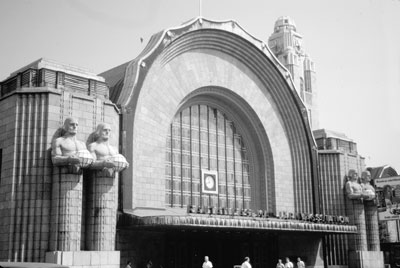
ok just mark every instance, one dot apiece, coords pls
pixel 199 8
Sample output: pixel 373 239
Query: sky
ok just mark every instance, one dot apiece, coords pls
pixel 355 46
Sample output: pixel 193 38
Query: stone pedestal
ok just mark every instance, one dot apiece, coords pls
pixel 101 210
pixel 85 259
pixel 364 249
pixel 372 226
pixel 366 259
pixel 66 209
pixel 356 214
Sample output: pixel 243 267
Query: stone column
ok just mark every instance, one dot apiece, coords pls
pixel 66 212
pixel 371 212
pixel 102 202
pixel 356 214
pixel 69 156
pixel 102 199
pixel 364 246
pixel 372 226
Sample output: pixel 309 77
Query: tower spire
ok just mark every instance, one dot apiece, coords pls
pixel 286 44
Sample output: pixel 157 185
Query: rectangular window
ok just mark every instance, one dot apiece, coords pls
pixel 213 138
pixel 185 117
pixel 195 116
pixel 203 116
pixel 185 132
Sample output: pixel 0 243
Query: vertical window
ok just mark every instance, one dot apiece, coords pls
pixel 201 137
pixel 308 85
pixel 302 88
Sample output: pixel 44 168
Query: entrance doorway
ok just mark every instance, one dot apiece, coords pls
pixel 225 249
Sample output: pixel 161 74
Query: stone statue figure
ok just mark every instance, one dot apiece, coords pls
pixel 355 211
pixel 353 188
pixel 368 191
pixel 70 156
pixel 371 212
pixel 68 151
pixel 106 156
pixel 102 199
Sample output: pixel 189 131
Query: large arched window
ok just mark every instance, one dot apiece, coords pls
pixel 202 139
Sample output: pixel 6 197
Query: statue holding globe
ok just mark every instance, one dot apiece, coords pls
pixel 69 156
pixel 368 191
pixel 371 212
pixel 68 151
pixel 102 197
pixel 355 211
pixel 107 158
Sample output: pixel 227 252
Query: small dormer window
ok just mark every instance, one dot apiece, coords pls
pixel 286 21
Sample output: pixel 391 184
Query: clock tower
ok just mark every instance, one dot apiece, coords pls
pixel 287 45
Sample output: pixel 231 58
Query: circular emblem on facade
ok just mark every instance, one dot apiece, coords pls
pixel 210 182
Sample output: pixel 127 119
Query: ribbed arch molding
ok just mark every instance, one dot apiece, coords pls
pixel 185 61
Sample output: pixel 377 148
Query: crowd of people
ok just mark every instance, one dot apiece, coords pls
pixel 246 263
pixel 289 264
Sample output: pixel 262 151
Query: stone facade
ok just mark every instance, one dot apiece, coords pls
pixel 35 102
pixel 337 155
pixel 203 96
pixel 245 85
pixel 334 166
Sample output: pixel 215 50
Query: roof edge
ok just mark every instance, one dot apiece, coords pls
pixel 166 36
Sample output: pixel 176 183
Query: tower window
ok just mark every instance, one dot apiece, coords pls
pixel 301 88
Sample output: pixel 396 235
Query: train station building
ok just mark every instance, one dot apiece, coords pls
pixel 217 128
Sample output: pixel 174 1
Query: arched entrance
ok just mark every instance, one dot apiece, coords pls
pixel 225 249
pixel 216 130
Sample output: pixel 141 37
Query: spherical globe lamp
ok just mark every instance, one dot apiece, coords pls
pixel 119 161
pixel 85 158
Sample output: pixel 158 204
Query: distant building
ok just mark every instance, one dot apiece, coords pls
pixel 389 230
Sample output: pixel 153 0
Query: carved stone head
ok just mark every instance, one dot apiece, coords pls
pixel 352 175
pixel 365 176
pixel 70 126
pixel 102 132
